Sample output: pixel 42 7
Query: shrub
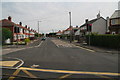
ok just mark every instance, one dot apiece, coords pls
pixel 6 33
pixel 27 40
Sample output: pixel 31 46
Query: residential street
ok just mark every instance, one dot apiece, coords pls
pixel 54 58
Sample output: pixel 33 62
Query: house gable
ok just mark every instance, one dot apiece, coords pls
pixel 99 26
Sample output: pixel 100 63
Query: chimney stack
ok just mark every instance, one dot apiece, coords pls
pixel 76 26
pixel 20 23
pixel 86 21
pixel 98 15
pixel 25 26
pixel 28 27
pixel 10 18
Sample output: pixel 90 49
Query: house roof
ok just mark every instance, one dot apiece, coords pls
pixel 6 22
pixel 63 31
pixel 68 29
pixel 91 21
pixel 116 14
pixel 59 31
pixel 76 27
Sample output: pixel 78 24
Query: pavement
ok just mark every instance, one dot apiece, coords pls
pixel 99 49
pixel 56 59
pixel 96 48
pixel 12 48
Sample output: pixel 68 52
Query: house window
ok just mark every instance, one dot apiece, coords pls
pixel 115 21
pixel 119 21
pixel 23 31
pixel 16 30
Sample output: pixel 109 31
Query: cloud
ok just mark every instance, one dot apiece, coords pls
pixel 60 0
pixel 54 15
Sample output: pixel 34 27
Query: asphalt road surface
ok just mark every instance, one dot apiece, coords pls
pixel 56 59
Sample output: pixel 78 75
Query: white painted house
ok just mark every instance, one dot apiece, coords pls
pixel 97 25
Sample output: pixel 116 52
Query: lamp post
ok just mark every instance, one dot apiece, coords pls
pixel 70 18
pixel 70 27
pixel 38 27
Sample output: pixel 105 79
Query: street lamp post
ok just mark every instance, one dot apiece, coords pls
pixel 70 18
pixel 38 27
pixel 70 27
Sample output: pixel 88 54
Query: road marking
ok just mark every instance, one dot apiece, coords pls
pixel 65 76
pixel 22 62
pixel 17 59
pixel 14 74
pixel 71 72
pixel 85 49
pixel 59 43
pixel 8 63
pixel 105 77
pixel 29 74
pixel 63 44
pixel 39 44
pixel 35 66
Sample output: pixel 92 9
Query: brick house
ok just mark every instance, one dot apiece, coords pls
pixel 114 23
pixel 69 32
pixel 19 32
pixel 59 33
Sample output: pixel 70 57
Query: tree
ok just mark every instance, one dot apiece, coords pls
pixel 36 34
pixel 6 33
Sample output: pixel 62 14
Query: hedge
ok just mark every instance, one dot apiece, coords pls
pixel 107 40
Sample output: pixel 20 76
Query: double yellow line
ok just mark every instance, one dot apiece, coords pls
pixel 71 72
pixel 68 73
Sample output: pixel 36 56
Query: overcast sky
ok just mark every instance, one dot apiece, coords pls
pixel 54 15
